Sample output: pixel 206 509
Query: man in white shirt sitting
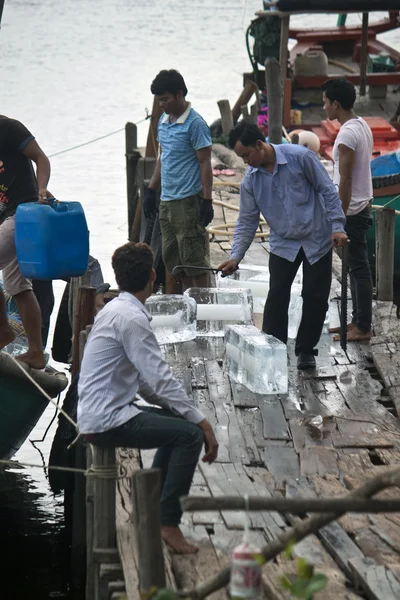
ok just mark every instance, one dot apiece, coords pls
pixel 122 357
pixel 352 155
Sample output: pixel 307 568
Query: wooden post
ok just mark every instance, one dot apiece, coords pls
pixel 385 223
pixel 1 9
pixel 83 316
pixel 146 492
pixel 249 89
pixel 245 113
pixel 284 51
pixel 104 533
pixel 254 113
pixel 226 116
pixel 152 142
pixel 139 187
pixel 274 94
pixel 132 156
pixel 364 55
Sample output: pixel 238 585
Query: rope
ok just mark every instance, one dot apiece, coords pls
pixel 101 137
pixel 109 472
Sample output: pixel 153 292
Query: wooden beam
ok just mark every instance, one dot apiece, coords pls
pixel 132 156
pixel 364 55
pixel 378 79
pixel 146 492
pixel 385 224
pixel 284 51
pixel 249 89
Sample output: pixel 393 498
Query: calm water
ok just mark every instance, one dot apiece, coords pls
pixel 73 71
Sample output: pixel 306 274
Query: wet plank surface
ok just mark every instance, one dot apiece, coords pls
pixel 333 429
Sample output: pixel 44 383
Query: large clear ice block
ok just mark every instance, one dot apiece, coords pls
pixel 173 317
pixel 253 278
pixel 256 360
pixel 295 310
pixel 217 308
pixel 256 279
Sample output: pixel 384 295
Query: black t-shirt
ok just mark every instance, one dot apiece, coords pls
pixel 17 177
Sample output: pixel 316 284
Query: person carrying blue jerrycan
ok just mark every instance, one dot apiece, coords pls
pixel 18 184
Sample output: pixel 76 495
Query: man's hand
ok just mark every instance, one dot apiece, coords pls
pixel 228 267
pixel 44 196
pixel 150 203
pixel 339 239
pixel 206 212
pixel 210 442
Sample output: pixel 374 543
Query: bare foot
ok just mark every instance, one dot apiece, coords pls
pixel 173 536
pixel 355 335
pixel 34 358
pixel 6 337
pixel 337 329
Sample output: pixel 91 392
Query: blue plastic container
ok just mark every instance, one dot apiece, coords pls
pixel 52 241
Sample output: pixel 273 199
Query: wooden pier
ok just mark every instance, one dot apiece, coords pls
pixel 270 446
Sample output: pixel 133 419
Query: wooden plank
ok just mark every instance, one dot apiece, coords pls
pixel 318 461
pixel 199 378
pixel 275 426
pixel 252 450
pixel 377 581
pixel 353 434
pixel 226 420
pixel 281 461
pixel 374 547
pixel 305 435
pixel 193 569
pixel 243 397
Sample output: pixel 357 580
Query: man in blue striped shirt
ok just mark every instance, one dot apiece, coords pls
pixel 185 175
pixel 288 185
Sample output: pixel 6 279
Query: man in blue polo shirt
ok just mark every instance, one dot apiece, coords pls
pixel 185 175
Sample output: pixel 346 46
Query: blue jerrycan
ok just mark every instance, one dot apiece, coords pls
pixel 52 240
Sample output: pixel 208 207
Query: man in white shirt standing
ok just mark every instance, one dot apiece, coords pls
pixel 352 155
pixel 122 357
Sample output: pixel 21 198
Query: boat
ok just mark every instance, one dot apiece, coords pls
pixel 351 51
pixel 22 404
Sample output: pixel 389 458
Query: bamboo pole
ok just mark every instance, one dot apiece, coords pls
pixel 152 142
pixel 295 506
pixel 249 89
pixel 132 156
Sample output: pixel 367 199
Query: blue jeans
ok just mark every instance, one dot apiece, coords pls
pixel 179 445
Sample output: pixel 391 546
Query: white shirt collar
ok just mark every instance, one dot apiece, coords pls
pixel 181 119
pixel 131 298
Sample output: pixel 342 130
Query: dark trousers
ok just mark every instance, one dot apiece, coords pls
pixel 179 445
pixel 359 269
pixel 315 294
pixel 43 290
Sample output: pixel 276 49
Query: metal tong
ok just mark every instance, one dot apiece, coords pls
pixel 176 270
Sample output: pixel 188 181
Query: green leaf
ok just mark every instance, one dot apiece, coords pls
pixel 300 588
pixel 303 568
pixel 285 583
pixel 260 559
pixel 317 583
pixel 288 551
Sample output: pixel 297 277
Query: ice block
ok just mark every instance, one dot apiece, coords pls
pixel 173 317
pixel 217 308
pixel 252 277
pixel 256 360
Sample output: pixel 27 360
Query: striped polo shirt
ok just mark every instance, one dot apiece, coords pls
pixel 180 169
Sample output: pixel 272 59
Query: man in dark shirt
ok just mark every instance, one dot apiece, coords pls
pixel 18 184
